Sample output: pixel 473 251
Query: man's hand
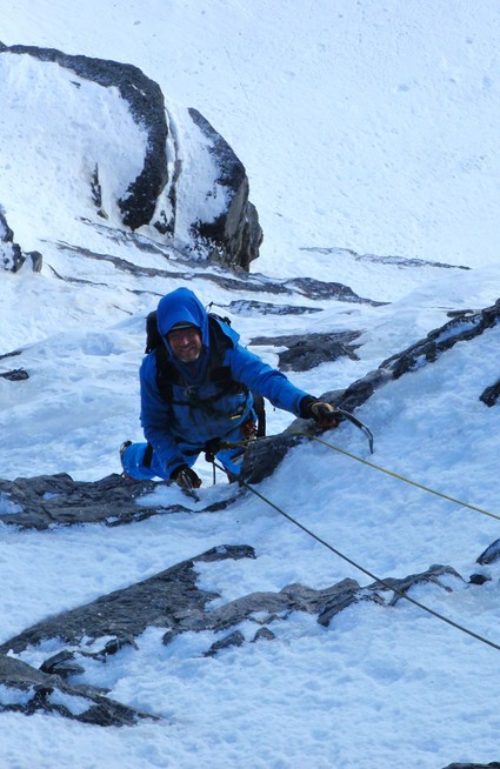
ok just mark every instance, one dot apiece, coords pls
pixel 186 478
pixel 322 412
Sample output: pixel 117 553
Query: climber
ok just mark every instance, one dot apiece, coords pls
pixel 198 388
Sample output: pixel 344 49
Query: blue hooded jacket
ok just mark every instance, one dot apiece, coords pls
pixel 200 410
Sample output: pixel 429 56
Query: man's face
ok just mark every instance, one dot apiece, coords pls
pixel 185 343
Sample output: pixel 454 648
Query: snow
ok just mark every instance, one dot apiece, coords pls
pixel 367 130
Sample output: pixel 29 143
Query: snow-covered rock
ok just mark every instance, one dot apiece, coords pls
pixel 104 135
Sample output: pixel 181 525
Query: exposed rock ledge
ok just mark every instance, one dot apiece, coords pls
pixel 263 456
pixel 170 600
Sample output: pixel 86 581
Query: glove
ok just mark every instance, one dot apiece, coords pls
pixel 323 413
pixel 186 478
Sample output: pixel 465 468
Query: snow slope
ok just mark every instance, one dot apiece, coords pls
pixel 366 128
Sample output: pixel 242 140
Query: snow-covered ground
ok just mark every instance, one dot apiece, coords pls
pixel 366 128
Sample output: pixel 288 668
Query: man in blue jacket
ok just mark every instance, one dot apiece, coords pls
pixel 197 390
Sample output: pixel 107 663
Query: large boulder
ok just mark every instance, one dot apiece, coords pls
pixel 127 157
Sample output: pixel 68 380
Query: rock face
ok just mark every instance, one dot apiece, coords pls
pixel 173 601
pixel 146 105
pixel 491 394
pixel 170 599
pixel 235 232
pixel 493 765
pixel 262 457
pixel 210 210
pixel 45 500
pixel 24 689
pixel 12 257
pixel 306 352
pixel 16 374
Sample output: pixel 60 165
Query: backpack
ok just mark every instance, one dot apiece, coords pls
pixel 167 374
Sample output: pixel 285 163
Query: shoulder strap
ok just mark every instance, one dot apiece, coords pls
pixel 166 374
pixel 153 338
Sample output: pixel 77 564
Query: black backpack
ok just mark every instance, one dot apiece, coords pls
pixel 167 374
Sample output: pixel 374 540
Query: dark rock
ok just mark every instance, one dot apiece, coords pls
pixel 261 458
pixel 398 261
pixel 307 351
pixel 46 500
pixel 478 579
pixel 16 375
pixel 233 639
pixel 491 554
pixel 36 260
pixel 34 691
pixel 173 600
pixel 11 256
pixel 96 192
pixel 147 106
pixel 10 354
pixel 341 596
pixel 168 637
pixel 491 394
pixel 236 235
pixel 493 765
pixel 253 283
pixel 460 329
pixel 170 599
pixel 252 307
pixel 318 289
pixel 62 664
pixel 401 586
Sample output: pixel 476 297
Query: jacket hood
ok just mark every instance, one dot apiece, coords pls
pixel 182 306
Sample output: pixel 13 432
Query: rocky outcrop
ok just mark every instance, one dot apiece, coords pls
pixel 12 257
pixel 491 394
pixel 263 456
pixel 15 374
pixel 248 283
pixel 208 210
pixel 491 554
pixel 146 104
pixel 307 351
pixel 170 599
pixel 45 500
pixel 252 307
pixel 24 689
pixel 235 234
pixel 493 765
pixel 173 601
pixel 396 261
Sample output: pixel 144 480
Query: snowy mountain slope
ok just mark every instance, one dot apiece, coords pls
pixel 392 154
pixel 376 127
pixel 429 426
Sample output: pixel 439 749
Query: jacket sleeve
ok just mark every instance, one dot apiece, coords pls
pixel 264 380
pixel 155 416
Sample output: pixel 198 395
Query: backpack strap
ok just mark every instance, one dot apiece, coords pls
pixel 153 337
